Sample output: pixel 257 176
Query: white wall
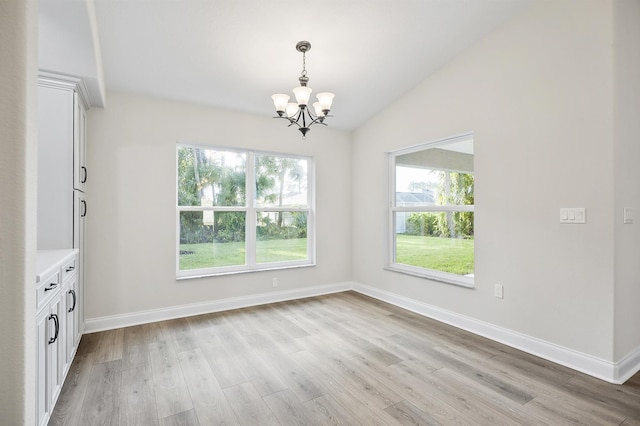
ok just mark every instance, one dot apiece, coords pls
pixel 18 147
pixel 537 93
pixel 131 224
pixel 627 176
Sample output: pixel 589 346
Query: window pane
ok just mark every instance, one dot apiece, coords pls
pixel 442 241
pixel 436 175
pixel 417 186
pixel 281 181
pixel 207 177
pixel 281 236
pixel 426 187
pixel 209 239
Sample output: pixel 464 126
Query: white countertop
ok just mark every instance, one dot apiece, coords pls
pixel 48 260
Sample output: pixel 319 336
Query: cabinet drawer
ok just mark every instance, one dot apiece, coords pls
pixel 68 269
pixel 49 286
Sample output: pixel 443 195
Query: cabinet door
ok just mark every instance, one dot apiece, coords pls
pixel 42 343
pixel 79 219
pixel 79 146
pixel 55 349
pixel 71 311
pixel 55 167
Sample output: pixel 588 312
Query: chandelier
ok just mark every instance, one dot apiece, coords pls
pixel 298 112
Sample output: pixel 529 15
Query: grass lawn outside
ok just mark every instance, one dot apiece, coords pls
pixel 451 255
pixel 213 255
pixel 442 254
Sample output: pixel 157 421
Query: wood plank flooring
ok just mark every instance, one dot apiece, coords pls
pixel 342 359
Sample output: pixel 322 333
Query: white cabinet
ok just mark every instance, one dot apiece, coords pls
pixel 62 170
pixel 56 326
pixel 62 208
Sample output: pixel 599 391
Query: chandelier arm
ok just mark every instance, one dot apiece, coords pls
pixel 291 121
pixel 317 121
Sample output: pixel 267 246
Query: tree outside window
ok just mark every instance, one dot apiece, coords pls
pixel 241 210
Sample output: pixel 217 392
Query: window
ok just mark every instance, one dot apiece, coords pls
pixel 431 222
pixel 241 211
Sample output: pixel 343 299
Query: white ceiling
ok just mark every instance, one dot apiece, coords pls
pixel 236 53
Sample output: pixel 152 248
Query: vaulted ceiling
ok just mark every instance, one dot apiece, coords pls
pixel 235 54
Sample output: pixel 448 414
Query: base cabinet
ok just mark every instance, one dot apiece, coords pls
pixel 57 329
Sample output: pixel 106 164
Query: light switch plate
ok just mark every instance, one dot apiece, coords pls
pixel 573 215
pixel 628 215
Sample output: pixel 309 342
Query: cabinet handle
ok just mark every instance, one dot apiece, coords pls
pixel 70 268
pixel 54 317
pixel 84 210
pixel 84 179
pixel 52 286
pixel 73 293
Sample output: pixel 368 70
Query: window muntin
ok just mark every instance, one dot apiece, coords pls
pixel 431 211
pixel 242 211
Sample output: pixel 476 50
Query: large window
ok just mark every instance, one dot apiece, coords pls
pixel 242 211
pixel 431 210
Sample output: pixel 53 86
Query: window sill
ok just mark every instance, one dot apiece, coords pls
pixel 207 274
pixel 444 277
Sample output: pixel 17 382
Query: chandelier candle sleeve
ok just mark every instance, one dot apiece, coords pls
pixel 298 113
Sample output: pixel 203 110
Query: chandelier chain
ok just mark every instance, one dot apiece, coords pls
pixel 304 64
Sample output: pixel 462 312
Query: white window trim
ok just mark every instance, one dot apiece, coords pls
pixel 251 211
pixel 391 264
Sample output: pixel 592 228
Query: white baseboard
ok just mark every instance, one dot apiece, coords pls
pixel 611 372
pixel 93 325
pixel 629 366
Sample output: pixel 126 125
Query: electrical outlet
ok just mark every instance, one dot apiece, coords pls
pixel 275 282
pixel 498 291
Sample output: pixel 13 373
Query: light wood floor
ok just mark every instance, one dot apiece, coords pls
pixel 339 359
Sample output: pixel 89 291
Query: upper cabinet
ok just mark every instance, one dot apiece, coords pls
pixel 62 168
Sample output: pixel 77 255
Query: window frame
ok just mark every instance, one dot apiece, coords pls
pixel 391 264
pixel 251 212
